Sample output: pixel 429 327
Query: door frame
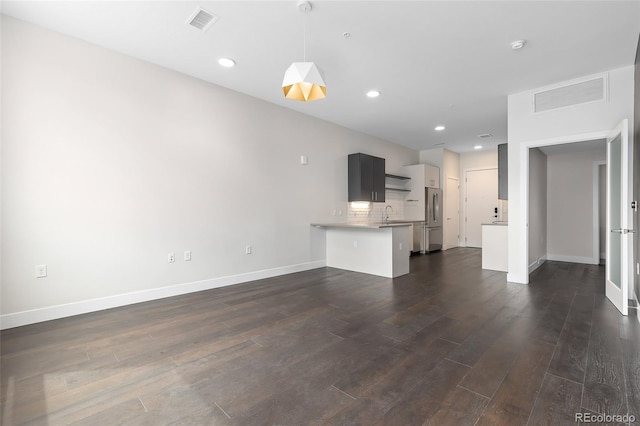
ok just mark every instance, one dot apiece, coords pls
pixel 446 200
pixel 518 228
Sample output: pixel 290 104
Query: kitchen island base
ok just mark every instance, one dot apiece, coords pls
pixel 382 251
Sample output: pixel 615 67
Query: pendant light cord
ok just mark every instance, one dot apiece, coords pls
pixel 304 36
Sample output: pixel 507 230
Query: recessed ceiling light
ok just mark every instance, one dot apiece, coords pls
pixel 373 93
pixel 477 147
pixel 226 62
pixel 439 128
pixel 518 44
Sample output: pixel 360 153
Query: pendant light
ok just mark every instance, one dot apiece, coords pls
pixel 302 80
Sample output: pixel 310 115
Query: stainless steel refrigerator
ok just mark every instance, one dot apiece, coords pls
pixel 427 235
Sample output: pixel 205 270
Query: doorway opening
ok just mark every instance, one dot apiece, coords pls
pixel 565 203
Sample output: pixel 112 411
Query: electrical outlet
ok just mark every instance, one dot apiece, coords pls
pixel 247 250
pixel 41 271
pixel 355 244
pixel 400 248
pixel 187 255
pixel 171 257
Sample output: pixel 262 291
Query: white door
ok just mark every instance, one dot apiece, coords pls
pixel 452 223
pixel 481 203
pixel 619 265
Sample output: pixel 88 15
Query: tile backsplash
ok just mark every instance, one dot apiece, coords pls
pixel 377 212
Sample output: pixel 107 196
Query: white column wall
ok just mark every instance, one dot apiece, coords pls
pixel 570 124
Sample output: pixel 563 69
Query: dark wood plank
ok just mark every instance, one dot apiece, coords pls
pixel 488 373
pixel 553 321
pixel 557 403
pixel 513 401
pixel 570 358
pixel 604 385
pixel 426 399
pixel 631 358
pixel 461 407
pixel 472 349
pixel 393 387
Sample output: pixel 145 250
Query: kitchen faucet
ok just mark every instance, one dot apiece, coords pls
pixel 386 210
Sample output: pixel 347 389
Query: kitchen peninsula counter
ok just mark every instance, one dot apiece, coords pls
pixel 495 252
pixel 370 225
pixel 380 248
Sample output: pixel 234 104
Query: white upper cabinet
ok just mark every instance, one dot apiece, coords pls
pixel 432 176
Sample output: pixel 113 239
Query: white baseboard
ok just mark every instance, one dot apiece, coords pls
pixel 76 308
pixel 573 259
pixel 535 265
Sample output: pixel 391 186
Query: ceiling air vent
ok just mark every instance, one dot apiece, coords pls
pixel 573 93
pixel 202 19
pixel 485 136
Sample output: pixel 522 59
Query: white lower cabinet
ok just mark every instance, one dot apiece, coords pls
pixel 495 247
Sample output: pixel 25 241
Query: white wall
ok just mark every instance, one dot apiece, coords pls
pixel 570 205
pixel 109 163
pixel 588 121
pixel 451 164
pixel 476 160
pixel 434 157
pixel 537 208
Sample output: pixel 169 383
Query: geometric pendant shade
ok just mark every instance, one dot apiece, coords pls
pixel 303 82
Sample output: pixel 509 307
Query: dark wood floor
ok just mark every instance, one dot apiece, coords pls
pixel 448 344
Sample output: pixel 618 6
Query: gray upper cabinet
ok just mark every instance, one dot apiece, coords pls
pixel 503 172
pixel 366 178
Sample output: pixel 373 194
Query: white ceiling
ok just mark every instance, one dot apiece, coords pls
pixel 435 62
pixel 573 148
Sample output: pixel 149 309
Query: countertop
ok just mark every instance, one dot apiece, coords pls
pixel 371 225
pixel 496 224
